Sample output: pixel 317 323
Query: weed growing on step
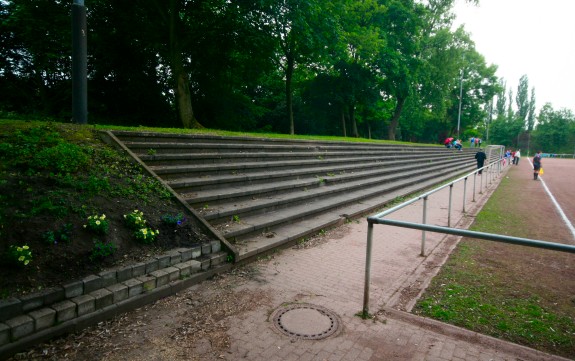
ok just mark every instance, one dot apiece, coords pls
pixel 236 219
pixel 151 152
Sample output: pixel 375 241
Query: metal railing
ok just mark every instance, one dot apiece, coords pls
pixel 493 169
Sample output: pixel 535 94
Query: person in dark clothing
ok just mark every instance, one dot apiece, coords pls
pixel 536 165
pixel 480 157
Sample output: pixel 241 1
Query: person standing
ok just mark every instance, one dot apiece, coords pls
pixel 480 156
pixel 472 142
pixel 536 165
pixel 517 156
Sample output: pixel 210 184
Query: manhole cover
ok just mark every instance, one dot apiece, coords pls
pixel 305 321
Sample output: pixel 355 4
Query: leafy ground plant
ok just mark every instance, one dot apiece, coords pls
pixel 61 174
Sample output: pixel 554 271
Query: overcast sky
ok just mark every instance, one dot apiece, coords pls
pixel 527 37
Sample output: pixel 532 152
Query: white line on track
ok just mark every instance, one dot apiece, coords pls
pixel 561 213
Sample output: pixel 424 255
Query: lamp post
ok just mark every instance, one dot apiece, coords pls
pixel 79 64
pixel 460 96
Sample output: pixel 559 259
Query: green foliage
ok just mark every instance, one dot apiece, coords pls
pixel 61 235
pixel 173 220
pixel 555 131
pixel 62 158
pixel 42 148
pixel 146 235
pixel 97 224
pixel 19 255
pixel 312 66
pixel 102 250
pixel 135 219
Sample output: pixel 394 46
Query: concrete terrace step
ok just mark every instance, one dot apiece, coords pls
pixel 291 232
pixel 195 183
pixel 171 172
pixel 248 188
pixel 326 187
pixel 173 159
pixel 243 227
pixel 204 199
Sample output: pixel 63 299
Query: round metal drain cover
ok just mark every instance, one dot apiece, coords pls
pixel 305 321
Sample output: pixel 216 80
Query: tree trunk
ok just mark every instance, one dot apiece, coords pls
pixel 343 123
pixel 353 122
pixel 368 130
pixel 182 82
pixel 289 98
pixel 184 98
pixel 395 119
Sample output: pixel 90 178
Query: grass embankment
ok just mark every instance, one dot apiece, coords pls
pixel 520 294
pixel 66 205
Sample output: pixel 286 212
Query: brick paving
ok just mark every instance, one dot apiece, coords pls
pixel 331 275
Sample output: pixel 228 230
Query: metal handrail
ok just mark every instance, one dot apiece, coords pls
pixel 378 219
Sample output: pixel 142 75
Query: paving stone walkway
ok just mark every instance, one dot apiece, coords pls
pixel 331 276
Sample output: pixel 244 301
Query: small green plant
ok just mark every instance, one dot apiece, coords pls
pixel 20 255
pixel 61 235
pixel 364 315
pixel 146 235
pixel 102 250
pixel 330 174
pixel 135 219
pixel 151 151
pixel 236 219
pixel 173 220
pixel 97 224
pixel 230 258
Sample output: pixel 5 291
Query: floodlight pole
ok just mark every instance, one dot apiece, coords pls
pixel 460 96
pixel 79 64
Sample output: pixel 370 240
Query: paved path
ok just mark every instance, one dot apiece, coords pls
pixel 331 275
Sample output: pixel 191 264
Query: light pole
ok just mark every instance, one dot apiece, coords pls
pixel 460 96
pixel 79 63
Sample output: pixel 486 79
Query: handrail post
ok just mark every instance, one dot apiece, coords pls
pixel 481 183
pixel 464 193
pixel 474 182
pixel 449 206
pixel 367 269
pixel 424 222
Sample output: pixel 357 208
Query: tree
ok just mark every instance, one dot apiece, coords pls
pixel 501 100
pixel 35 60
pixel 531 112
pixel 555 130
pixel 399 61
pixel 301 33
pixel 360 45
